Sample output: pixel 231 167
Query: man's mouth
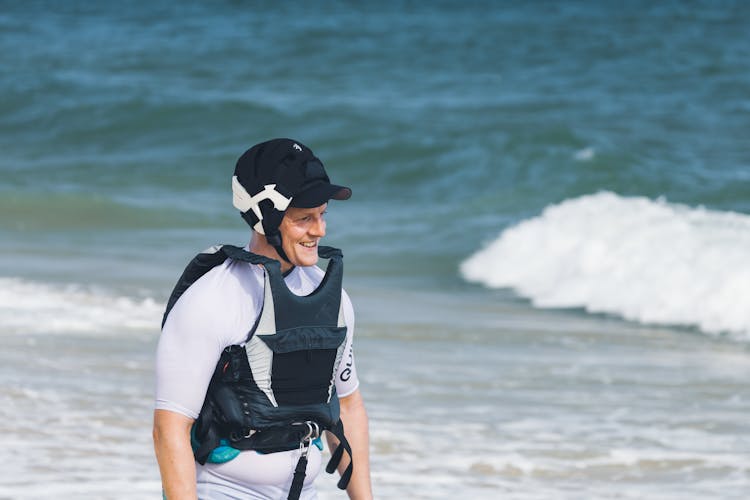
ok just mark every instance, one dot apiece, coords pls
pixel 309 244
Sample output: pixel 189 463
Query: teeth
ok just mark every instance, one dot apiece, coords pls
pixel 308 244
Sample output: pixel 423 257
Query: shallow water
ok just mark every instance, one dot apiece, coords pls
pixel 524 403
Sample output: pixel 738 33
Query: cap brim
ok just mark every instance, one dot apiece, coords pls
pixel 320 194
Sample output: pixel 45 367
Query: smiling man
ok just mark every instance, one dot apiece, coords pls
pixel 255 359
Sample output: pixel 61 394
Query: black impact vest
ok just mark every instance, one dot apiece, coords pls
pixel 276 391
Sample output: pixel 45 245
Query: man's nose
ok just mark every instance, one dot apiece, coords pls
pixel 319 227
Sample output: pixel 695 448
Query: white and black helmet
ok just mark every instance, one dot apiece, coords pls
pixel 274 175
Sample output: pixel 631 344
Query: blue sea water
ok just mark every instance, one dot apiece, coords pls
pixel 550 223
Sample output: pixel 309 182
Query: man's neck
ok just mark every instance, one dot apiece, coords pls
pixel 259 245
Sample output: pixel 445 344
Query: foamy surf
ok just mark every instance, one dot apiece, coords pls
pixel 645 260
pixel 32 307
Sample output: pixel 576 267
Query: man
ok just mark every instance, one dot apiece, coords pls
pixel 255 356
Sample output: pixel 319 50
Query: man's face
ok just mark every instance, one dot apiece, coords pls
pixel 301 230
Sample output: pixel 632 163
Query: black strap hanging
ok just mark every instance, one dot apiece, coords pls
pixel 338 431
pixel 313 432
pixel 299 477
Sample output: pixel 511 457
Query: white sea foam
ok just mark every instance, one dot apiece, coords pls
pixel 31 307
pixel 648 261
pixel 584 154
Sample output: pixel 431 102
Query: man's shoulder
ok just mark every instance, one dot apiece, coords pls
pixel 221 303
pixel 225 286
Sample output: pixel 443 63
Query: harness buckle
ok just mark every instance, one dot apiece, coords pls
pixel 313 432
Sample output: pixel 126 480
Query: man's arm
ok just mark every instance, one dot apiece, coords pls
pixel 174 454
pixel 354 417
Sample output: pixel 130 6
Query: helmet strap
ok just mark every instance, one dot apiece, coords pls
pixel 275 241
pixel 282 253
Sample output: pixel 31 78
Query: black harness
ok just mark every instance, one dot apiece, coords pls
pixel 276 391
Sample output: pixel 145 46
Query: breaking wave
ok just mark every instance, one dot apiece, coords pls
pixel 31 307
pixel 644 260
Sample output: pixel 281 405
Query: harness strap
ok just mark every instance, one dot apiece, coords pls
pixel 200 265
pixel 204 262
pixel 237 253
pixel 338 431
pixel 299 478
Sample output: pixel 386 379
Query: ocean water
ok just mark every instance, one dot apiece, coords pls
pixel 546 247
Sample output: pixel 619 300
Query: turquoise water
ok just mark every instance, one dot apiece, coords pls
pixel 601 149
pixel 462 119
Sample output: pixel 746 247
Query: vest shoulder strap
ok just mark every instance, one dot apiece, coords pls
pixel 329 252
pixel 212 257
pixel 204 262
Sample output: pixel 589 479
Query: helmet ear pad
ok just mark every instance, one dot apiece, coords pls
pixel 271 218
pixel 271 222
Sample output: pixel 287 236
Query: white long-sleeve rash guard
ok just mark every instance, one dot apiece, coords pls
pixel 217 311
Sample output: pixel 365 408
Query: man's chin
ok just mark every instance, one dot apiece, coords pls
pixel 305 260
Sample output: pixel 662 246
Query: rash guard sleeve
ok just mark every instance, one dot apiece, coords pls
pixel 213 313
pixel 346 378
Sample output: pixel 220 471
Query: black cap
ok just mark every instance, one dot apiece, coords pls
pixel 296 174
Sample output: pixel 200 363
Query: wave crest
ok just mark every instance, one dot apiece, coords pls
pixel 30 307
pixel 648 261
